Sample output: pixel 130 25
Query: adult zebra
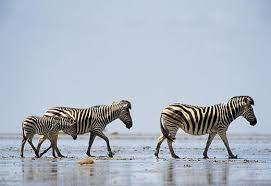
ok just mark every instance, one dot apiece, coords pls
pixel 210 120
pixel 95 119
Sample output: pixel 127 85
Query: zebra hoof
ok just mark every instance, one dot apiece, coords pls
pixel 175 156
pixel 89 155
pixel 233 157
pixel 156 155
pixel 37 156
pixel 205 157
pixel 110 155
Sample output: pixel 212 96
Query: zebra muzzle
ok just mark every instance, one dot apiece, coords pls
pixel 253 122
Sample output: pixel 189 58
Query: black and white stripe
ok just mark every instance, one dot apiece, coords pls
pixel 210 120
pixel 95 119
pixel 49 127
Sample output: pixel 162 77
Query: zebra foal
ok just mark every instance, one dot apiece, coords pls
pixel 95 119
pixel 49 128
pixel 210 120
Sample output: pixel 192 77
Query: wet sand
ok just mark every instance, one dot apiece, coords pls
pixel 134 163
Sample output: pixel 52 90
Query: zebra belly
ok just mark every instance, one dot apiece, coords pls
pixel 194 132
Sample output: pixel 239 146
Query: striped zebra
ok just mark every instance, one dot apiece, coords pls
pixel 95 119
pixel 49 128
pixel 210 120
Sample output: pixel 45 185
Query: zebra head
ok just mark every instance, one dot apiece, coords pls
pixel 124 115
pixel 248 112
pixel 70 128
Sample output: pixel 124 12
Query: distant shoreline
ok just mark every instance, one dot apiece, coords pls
pixel 116 135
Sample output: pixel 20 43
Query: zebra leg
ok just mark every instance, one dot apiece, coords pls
pixel 223 136
pixel 58 152
pixel 33 147
pixel 210 139
pixel 54 145
pixel 160 141
pixel 41 140
pixel 22 147
pixel 41 154
pixel 53 152
pixel 91 139
pixel 169 142
pixel 101 135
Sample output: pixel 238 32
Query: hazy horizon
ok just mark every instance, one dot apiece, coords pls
pixel 152 53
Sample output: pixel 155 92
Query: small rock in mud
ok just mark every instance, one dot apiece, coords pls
pixel 85 161
pixel 146 147
pixel 114 133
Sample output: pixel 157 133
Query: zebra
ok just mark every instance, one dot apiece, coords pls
pixel 95 119
pixel 49 128
pixel 210 120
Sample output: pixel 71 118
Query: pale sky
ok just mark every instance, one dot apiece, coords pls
pixel 153 53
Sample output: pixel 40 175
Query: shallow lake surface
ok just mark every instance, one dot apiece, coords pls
pixel 134 163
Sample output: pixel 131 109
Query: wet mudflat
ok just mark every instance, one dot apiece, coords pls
pixel 134 163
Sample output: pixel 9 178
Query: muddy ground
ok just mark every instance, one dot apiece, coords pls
pixel 134 163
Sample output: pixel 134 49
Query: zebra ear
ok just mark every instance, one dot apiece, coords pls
pixel 126 104
pixel 249 100
pixel 72 121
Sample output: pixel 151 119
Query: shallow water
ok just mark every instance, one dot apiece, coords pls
pixel 134 163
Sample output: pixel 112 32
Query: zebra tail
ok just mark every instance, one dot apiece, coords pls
pixel 164 131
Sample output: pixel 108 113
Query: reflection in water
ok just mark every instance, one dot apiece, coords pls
pixel 176 172
pixel 35 170
pixel 107 173
pixel 217 173
pixel 63 172
pixel 170 178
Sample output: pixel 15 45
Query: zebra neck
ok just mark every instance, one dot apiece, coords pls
pixel 61 125
pixel 111 113
pixel 231 111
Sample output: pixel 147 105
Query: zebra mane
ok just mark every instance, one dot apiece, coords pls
pixel 97 106
pixel 123 102
pixel 244 98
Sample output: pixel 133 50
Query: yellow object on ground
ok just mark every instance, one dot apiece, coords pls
pixel 85 161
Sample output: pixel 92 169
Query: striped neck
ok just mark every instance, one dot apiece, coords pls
pixel 231 110
pixel 62 123
pixel 110 112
